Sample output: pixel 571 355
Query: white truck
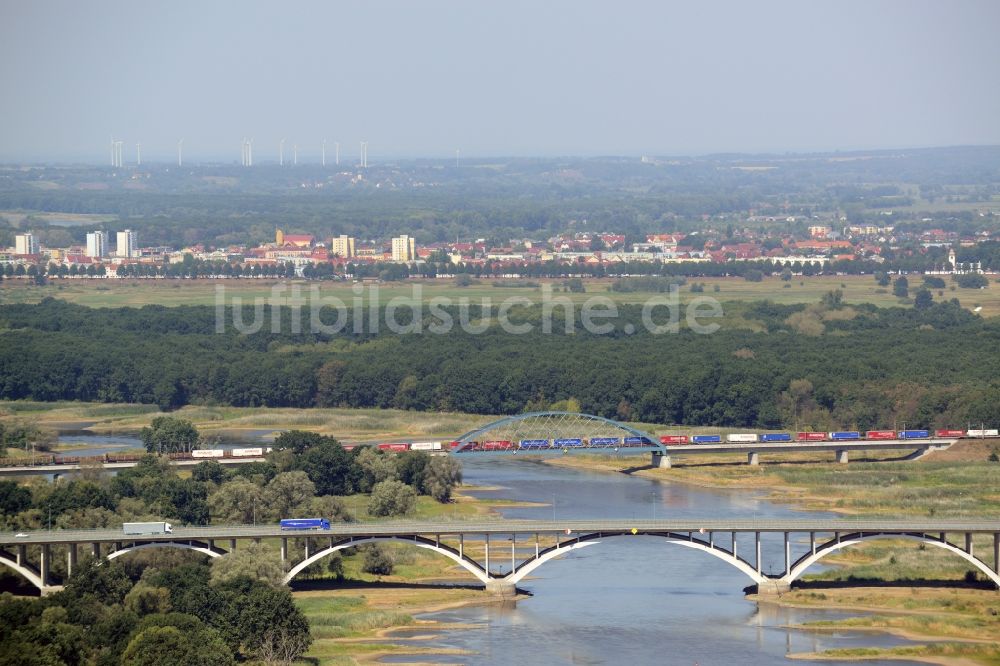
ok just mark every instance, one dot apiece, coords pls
pixel 146 529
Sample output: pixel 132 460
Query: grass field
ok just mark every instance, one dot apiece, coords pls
pixel 122 293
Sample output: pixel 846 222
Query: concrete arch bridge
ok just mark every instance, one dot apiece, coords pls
pixel 501 554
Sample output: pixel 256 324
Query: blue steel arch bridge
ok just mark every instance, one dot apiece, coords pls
pixel 556 432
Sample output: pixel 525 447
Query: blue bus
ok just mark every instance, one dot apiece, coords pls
pixel 305 524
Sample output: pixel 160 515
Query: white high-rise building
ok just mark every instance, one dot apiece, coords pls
pixel 404 248
pixel 128 244
pixel 25 244
pixel 342 246
pixel 97 244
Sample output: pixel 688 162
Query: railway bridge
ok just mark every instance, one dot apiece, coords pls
pixel 500 554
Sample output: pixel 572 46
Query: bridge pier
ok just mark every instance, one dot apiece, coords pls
pixel 284 548
pixel 501 588
pixel 842 456
pixel 70 559
pixel 43 568
pixel 773 587
pixel 753 458
pixel 659 460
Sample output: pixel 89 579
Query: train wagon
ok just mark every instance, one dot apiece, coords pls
pixel 741 437
pixel 776 437
pixel 949 433
pixel 673 439
pixel 208 453
pixel 880 434
pixel 914 434
pixel 396 447
pixel 844 435
pixel 636 441
pixel 497 445
pixel 706 439
pixel 567 442
pixel 604 442
pixel 810 436
pixel 247 453
pixel 425 446
pixel 984 433
pixel 529 444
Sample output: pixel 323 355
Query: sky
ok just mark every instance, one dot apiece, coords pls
pixel 504 78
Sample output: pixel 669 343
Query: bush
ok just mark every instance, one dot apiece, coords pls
pixel 378 561
pixel 971 281
pixel 753 275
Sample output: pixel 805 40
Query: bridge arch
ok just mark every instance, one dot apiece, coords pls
pixel 28 573
pixel 806 561
pixel 468 564
pixel 554 424
pixel 197 547
pixel 559 550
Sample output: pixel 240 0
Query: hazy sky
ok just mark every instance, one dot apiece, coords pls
pixel 501 78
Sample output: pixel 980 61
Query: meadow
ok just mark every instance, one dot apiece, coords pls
pixel 112 293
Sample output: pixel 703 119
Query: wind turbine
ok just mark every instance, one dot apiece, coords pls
pixel 180 147
pixel 323 152
pixel 138 154
pixel 337 155
pixel 281 153
pixel 295 154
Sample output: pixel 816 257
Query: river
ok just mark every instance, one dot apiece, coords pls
pixel 637 600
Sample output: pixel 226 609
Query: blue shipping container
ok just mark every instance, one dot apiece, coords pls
pixel 776 437
pixel 845 435
pixel 914 434
pixel 305 524
pixel 604 441
pixel 534 443
pixel 568 442
pixel 706 439
pixel 637 441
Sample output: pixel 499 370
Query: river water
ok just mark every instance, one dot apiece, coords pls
pixel 632 600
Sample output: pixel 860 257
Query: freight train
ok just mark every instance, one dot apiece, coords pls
pixel 197 454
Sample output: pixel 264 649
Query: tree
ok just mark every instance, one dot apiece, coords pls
pixel 169 646
pixel 330 467
pixel 288 493
pixel 209 470
pixel 972 281
pixel 168 434
pixel 391 498
pixel 239 501
pixel 833 299
pixel 786 275
pixel 923 299
pixel 255 561
pixel 442 474
pixel 753 275
pixel 901 287
pixel 375 466
pixel 281 646
pixel 252 608
pixel 108 582
pixel 14 498
pixel 298 441
pixel 882 279
pixel 144 599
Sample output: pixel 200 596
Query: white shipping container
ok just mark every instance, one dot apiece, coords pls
pixel 741 437
pixel 208 453
pixel 984 433
pixel 425 446
pixel 248 452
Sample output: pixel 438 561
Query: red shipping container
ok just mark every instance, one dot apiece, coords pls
pixel 810 436
pixel 674 439
pixel 880 434
pixel 949 433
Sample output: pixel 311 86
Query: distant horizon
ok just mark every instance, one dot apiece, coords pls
pixel 375 159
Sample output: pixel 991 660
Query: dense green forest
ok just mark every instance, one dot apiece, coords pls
pixel 822 366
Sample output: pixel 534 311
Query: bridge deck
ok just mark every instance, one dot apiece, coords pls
pixel 507 527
